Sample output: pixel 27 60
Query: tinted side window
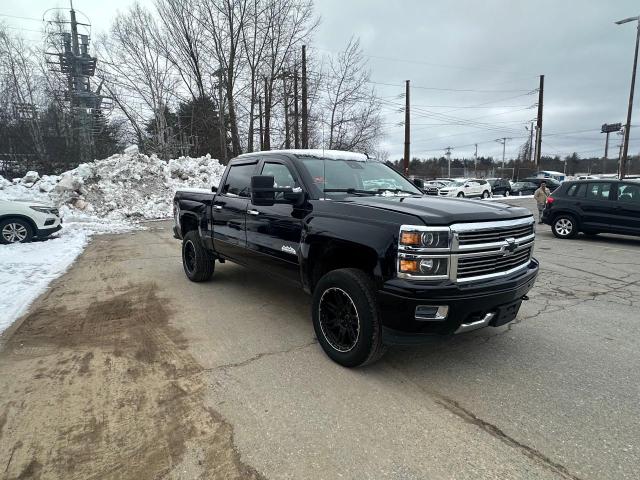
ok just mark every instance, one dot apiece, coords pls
pixel 577 190
pixel 280 173
pixel 598 191
pixel 239 180
pixel 629 193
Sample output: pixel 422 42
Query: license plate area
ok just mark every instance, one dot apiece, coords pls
pixel 506 313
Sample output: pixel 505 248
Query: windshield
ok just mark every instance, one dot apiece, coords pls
pixel 364 177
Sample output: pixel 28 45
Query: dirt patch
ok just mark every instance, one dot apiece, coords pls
pixel 104 389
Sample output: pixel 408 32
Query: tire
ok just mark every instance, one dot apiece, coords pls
pixel 346 317
pixel 485 194
pixel 197 261
pixel 15 230
pixel 460 195
pixel 564 226
pixel 507 193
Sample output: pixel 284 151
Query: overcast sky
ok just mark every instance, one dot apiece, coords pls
pixel 469 60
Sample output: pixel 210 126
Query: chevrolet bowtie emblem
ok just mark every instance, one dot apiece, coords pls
pixel 509 246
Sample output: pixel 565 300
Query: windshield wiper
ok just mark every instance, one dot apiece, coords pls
pixel 352 191
pixel 395 190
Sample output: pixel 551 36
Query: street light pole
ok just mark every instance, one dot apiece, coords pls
pixel 623 160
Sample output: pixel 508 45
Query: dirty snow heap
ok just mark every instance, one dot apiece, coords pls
pixel 129 186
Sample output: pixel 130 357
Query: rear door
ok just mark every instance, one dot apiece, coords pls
pixel 230 210
pixel 626 217
pixel 274 232
pixel 597 206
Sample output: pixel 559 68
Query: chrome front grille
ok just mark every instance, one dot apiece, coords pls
pixel 470 266
pixel 497 235
pixel 491 249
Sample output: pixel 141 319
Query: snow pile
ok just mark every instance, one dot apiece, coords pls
pixel 126 186
pixel 103 196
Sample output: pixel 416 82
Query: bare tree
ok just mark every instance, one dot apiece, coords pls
pixel 186 43
pixel 135 65
pixel 351 107
pixel 20 87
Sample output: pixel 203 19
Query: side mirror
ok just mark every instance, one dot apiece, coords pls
pixel 467 185
pixel 418 183
pixel 214 189
pixel 263 192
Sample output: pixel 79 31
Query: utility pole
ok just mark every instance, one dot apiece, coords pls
pixel 296 116
pixel 267 115
pixel 539 121
pixel 448 155
pixel 221 129
pixel 260 126
pixel 407 130
pixel 531 143
pixel 475 161
pixel 621 151
pixel 305 109
pixel 503 141
pixel 287 136
pixel 627 129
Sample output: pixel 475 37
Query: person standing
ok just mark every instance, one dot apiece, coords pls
pixel 541 195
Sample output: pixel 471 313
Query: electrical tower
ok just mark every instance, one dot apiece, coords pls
pixel 67 53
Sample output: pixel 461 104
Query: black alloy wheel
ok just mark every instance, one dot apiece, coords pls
pixel 339 319
pixel 346 318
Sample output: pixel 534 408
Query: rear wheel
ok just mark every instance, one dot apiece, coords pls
pixel 346 318
pixel 564 226
pixel 507 193
pixel 197 261
pixel 485 194
pixel 15 230
pixel 460 195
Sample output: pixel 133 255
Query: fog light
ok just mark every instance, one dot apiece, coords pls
pixel 431 312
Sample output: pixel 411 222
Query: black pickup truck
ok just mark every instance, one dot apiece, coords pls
pixel 384 263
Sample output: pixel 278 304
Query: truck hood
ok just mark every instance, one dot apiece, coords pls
pixel 443 211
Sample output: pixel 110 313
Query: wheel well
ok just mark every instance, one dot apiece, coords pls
pixel 188 223
pixel 555 215
pixel 31 223
pixel 332 256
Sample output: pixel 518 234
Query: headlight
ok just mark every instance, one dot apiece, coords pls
pixel 47 210
pixel 437 237
pixel 425 266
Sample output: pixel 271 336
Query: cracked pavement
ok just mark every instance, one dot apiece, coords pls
pixel 555 394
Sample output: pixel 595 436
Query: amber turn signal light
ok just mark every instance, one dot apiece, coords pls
pixel 410 238
pixel 409 266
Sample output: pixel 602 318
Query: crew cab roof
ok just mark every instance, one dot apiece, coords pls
pixel 317 153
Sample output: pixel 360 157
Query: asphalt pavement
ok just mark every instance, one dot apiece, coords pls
pixel 554 394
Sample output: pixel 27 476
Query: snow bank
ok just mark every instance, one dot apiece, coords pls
pixel 104 196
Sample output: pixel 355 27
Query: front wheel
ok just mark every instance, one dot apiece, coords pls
pixel 197 261
pixel 15 230
pixel 461 195
pixel 564 226
pixel 346 318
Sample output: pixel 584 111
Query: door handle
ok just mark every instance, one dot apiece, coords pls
pixel 253 212
pixel 218 207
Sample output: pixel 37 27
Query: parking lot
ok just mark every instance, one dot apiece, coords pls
pixel 142 374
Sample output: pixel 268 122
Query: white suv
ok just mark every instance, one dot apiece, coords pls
pixel 21 221
pixel 467 188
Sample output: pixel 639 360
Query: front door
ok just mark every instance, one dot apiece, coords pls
pixel 274 232
pixel 626 216
pixel 230 211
